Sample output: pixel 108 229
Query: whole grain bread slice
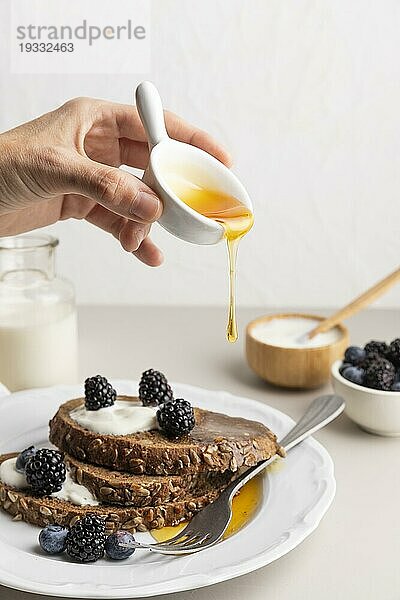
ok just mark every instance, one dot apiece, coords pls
pixel 217 443
pixel 42 511
pixel 116 487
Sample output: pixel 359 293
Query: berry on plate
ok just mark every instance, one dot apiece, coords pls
pixel 86 539
pixel 45 471
pixel 98 393
pixel 52 539
pixel 176 418
pixel 114 548
pixel 154 388
pixel 23 458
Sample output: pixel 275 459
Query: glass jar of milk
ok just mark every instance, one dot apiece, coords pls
pixel 38 324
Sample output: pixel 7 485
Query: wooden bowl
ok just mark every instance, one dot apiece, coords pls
pixel 302 368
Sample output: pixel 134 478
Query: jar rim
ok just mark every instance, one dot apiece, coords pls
pixel 28 241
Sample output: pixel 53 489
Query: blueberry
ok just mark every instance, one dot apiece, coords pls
pixel 23 458
pixel 396 386
pixel 354 355
pixel 113 547
pixel 52 539
pixel 344 366
pixel 354 374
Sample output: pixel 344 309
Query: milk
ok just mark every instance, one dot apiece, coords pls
pixel 39 347
pixel 290 333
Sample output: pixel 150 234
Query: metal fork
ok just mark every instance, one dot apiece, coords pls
pixel 209 525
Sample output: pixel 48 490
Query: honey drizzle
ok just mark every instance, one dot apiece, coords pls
pixel 236 220
pixel 231 328
pixel 244 507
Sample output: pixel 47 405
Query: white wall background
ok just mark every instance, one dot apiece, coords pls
pixel 306 94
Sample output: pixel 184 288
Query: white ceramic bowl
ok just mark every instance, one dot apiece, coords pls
pixel 374 411
pixel 170 159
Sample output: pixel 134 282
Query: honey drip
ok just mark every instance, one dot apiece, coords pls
pixel 236 220
pixel 244 506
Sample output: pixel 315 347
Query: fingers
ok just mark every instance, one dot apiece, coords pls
pixel 185 132
pixel 134 154
pixel 116 190
pixel 32 217
pixel 128 233
pixel 131 235
pixel 130 127
pixel 124 119
pixel 149 253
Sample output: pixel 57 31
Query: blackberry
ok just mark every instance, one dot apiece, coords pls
pixel 45 472
pixel 375 347
pixel 371 360
pixel 176 418
pixel 354 355
pixel 379 373
pixel 98 393
pixel 394 352
pixel 23 458
pixel 154 388
pixel 86 539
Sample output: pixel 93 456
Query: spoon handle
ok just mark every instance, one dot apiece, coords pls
pixel 149 105
pixel 356 305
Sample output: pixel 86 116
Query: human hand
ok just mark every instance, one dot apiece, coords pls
pixel 64 165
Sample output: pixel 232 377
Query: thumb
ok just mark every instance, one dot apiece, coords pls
pixel 116 190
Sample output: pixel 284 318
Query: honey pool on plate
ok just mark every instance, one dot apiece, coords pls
pixel 235 218
pixel 244 507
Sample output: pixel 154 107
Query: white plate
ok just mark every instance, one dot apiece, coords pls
pixel 295 498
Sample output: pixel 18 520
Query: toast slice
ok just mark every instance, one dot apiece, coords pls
pixel 44 510
pixel 217 443
pixel 116 487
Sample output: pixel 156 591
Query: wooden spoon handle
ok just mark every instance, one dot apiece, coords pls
pixel 356 305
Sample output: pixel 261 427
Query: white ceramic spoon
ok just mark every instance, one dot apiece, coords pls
pixel 169 160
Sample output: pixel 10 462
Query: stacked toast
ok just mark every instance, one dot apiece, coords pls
pixel 143 480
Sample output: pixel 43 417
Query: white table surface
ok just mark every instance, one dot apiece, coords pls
pixel 355 552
